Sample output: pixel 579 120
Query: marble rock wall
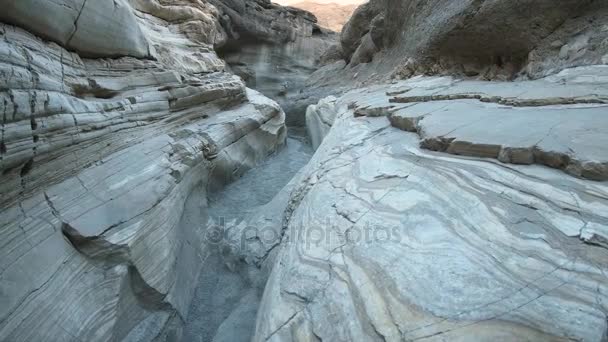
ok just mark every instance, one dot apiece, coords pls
pixel 99 155
pixel 441 209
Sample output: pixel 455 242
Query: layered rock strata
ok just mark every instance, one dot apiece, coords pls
pixel 382 238
pixel 557 121
pixel 98 157
pixel 274 49
pixel 279 71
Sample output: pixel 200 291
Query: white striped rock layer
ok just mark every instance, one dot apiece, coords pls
pixel 98 157
pixel 383 239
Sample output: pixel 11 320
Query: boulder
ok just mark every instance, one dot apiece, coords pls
pixel 319 119
pixel 357 27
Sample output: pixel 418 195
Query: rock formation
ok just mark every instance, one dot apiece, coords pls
pixel 488 40
pixel 275 59
pixel 250 19
pixel 331 15
pixel 278 71
pixel 448 207
pixel 113 111
pixel 459 189
pixel 385 239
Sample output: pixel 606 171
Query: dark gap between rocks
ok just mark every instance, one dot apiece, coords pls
pixel 225 303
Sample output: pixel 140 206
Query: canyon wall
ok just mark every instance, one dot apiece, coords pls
pixel 446 216
pixel 274 49
pixel 458 192
pixel 113 112
pixel 460 186
pixel 488 40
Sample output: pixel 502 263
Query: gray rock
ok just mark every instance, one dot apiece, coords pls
pixel 277 58
pixel 319 119
pixel 488 40
pixel 357 27
pixel 98 157
pixel 101 28
pixel 249 20
pixel 580 41
pixel 386 240
pixel 554 121
pixel 333 54
pixel 365 52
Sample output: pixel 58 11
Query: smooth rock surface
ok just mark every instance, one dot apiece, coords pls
pixel 228 291
pixel 279 71
pixel 98 157
pixel 319 119
pixel 385 240
pixel 100 28
pixel 435 208
pixel 277 58
pixel 559 121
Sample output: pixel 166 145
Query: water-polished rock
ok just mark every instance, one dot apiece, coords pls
pixel 557 121
pixel 384 239
pixel 103 28
pixel 98 157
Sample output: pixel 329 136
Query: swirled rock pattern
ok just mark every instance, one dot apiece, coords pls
pixel 384 239
pixel 98 157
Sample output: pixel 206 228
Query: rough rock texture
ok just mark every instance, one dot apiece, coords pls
pixel 274 58
pixel 331 15
pixel 484 39
pixel 262 20
pixel 384 239
pixel 477 34
pixel 98 157
pixel 279 71
pixel 358 26
pixel 581 40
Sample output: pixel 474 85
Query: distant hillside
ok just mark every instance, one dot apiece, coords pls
pixel 339 2
pixel 330 15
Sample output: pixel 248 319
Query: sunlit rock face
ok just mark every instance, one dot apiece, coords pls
pixel 98 157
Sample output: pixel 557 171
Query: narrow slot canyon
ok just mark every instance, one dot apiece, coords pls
pixel 226 300
pixel 348 170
